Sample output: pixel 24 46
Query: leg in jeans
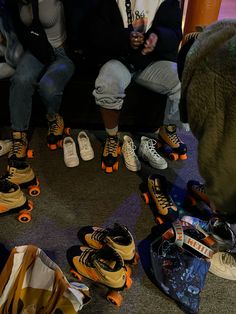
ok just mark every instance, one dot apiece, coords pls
pixel 109 91
pixel 109 94
pixel 162 77
pixel 50 88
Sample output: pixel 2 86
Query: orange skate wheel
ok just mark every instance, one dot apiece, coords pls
pixel 109 169
pixel 183 156
pixel 128 282
pixel 103 166
pixel 146 197
pixel 67 131
pixel 128 271
pixel 30 206
pixel 174 156
pixel 24 216
pixel 115 298
pixel 76 274
pixel 34 190
pixel 116 166
pixel 30 153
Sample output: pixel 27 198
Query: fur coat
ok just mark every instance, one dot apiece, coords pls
pixel 208 103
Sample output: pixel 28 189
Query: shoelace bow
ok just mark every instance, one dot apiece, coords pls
pixel 162 198
pixel 229 259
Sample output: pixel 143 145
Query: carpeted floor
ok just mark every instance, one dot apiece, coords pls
pixel 74 197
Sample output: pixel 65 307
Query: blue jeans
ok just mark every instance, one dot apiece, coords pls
pixel 160 76
pixel 29 76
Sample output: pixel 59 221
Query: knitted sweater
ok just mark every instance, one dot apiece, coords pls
pixel 208 103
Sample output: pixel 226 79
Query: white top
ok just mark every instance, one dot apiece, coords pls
pixel 51 15
pixel 143 13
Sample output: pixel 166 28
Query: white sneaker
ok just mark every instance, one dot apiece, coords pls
pixel 86 150
pixel 223 264
pixel 5 146
pixel 70 155
pixel 128 150
pixel 148 152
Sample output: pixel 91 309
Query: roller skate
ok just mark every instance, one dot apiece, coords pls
pixel 104 266
pixel 156 193
pixel 118 237
pixel 19 150
pixel 13 200
pixel 197 200
pixel 110 155
pixel 169 143
pixel 56 131
pixel 21 173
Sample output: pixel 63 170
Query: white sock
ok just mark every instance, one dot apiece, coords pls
pixel 112 132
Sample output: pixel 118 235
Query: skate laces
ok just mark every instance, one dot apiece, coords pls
pixel 129 148
pixel 18 148
pixel 162 198
pixel 173 136
pixel 6 186
pixel 85 257
pixel 99 235
pixel 111 145
pixel 56 126
pixel 151 146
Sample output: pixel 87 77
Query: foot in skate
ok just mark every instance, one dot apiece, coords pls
pixel 103 266
pixel 19 149
pixel 21 173
pixel 118 237
pixel 110 155
pixel 170 143
pixel 56 131
pixel 155 192
pixel 5 146
pixel 13 200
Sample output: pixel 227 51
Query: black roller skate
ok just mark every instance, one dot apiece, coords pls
pixel 56 131
pixel 13 200
pixel 104 266
pixel 110 155
pixel 118 237
pixel 156 193
pixel 170 144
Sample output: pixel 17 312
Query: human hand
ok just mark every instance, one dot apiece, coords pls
pixel 150 44
pixel 136 39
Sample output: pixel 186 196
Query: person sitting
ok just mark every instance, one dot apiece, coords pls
pixel 32 73
pixel 136 40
